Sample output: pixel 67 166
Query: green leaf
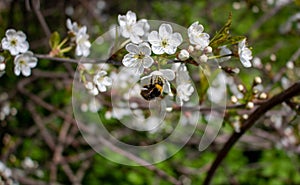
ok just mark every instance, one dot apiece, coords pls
pixel 222 35
pixel 233 40
pixel 54 40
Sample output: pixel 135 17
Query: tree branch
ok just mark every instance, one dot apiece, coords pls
pixel 36 9
pixel 78 61
pixel 277 99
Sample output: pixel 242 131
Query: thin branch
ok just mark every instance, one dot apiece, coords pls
pixel 39 122
pixel 78 61
pixel 261 110
pixel 36 9
pixel 82 170
pixel 139 161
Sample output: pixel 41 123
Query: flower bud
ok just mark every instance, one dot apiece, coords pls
pixel 237 126
pixel 208 49
pixel 245 116
pixel 191 49
pixel 250 105
pixel 257 80
pixel 241 88
pixel 263 96
pixel 234 99
pixel 169 109
pixel 290 65
pixel 255 91
pixel 183 55
pixel 203 58
pixel 198 47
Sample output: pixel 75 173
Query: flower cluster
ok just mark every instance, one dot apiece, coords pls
pixel 6 175
pixel 97 82
pixel 148 49
pixel 80 37
pixel 130 28
pixel 15 42
pixel 6 109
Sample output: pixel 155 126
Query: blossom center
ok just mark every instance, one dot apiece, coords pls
pixel 23 63
pixel 164 43
pixel 141 55
pixel 13 42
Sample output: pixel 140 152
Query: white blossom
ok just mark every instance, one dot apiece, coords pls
pixel 73 27
pixel 24 62
pixel 184 91
pixel 166 75
pixel 92 88
pixel 102 81
pixel 80 37
pixel 28 163
pixel 245 53
pixel 164 41
pixel 184 86
pixel 138 57
pixel 197 36
pixel 132 29
pixel 82 43
pixel 15 42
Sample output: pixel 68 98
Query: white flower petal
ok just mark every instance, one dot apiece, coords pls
pixel 138 29
pixel 245 54
pixel 10 33
pixel 107 81
pixel 245 62
pixel 129 60
pixel 176 39
pixel 145 48
pixel 168 74
pixel 26 71
pixel 140 69
pixel 157 50
pixel 122 20
pixel 5 43
pixel 135 38
pixel 21 36
pixel 154 38
pixel 17 70
pixel 165 30
pixel 132 48
pixel 101 87
pixel 147 62
pixel 23 47
pixel 166 87
pixel 131 17
pixel 170 49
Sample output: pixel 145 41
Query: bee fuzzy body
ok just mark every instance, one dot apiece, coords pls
pixel 154 89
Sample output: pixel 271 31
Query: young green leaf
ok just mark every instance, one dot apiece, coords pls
pixel 54 40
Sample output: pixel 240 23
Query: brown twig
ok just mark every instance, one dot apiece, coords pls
pixel 38 121
pixel 139 161
pixel 78 61
pixel 262 109
pixel 35 4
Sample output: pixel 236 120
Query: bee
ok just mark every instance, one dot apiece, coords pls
pixel 154 89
